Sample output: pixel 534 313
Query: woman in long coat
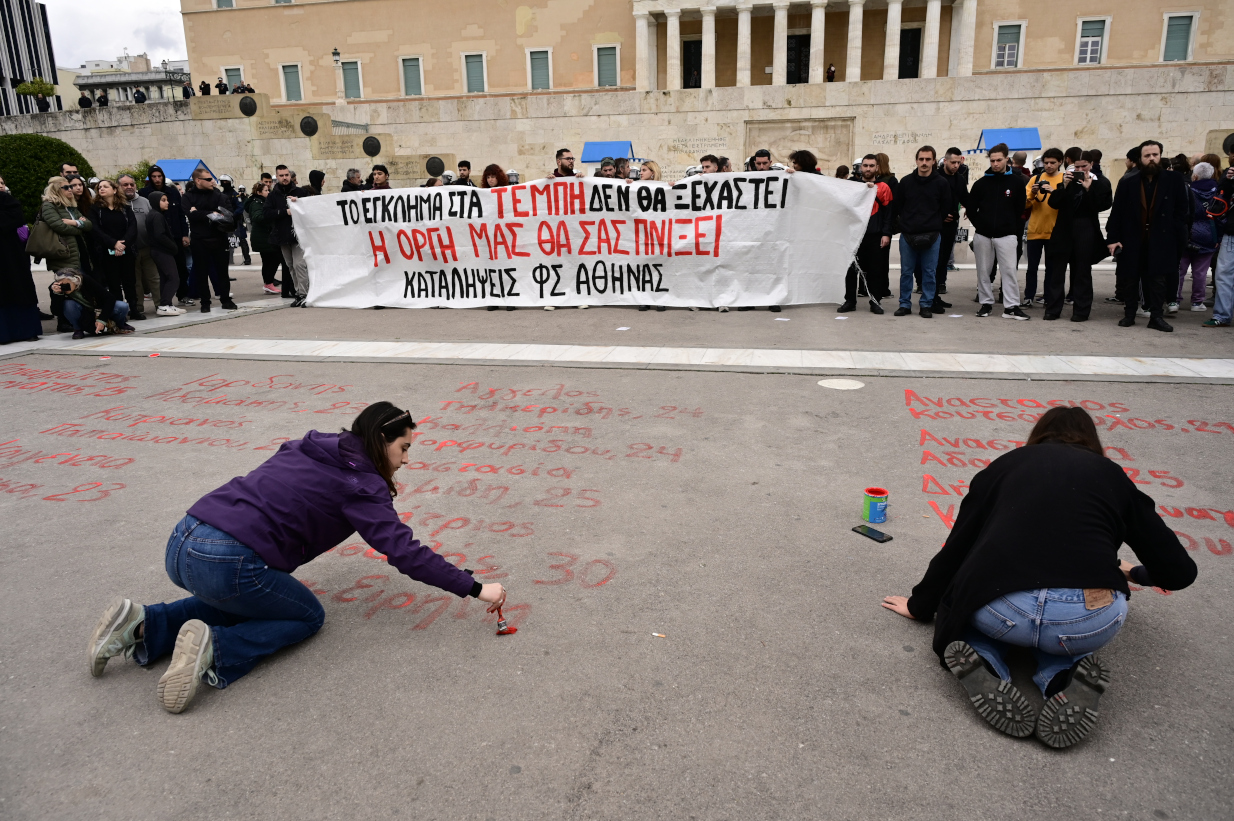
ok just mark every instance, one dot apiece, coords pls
pixel 19 302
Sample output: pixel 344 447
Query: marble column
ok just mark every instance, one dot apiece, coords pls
pixel 709 47
pixel 968 35
pixel 891 51
pixel 673 63
pixel 818 28
pixel 653 54
pixel 852 67
pixel 929 44
pixel 743 45
pixel 641 73
pixel 779 46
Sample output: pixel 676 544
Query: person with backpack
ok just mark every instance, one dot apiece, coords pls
pixel 1202 241
pixel 1223 270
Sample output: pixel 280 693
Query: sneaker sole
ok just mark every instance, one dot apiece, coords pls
pixel 1013 316
pixel 115 614
pixel 179 684
pixel 1069 716
pixel 996 701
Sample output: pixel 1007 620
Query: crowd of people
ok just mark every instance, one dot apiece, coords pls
pixel 1167 217
pixel 118 246
pixel 140 97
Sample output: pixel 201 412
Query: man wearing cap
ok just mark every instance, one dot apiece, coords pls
pixel 221 85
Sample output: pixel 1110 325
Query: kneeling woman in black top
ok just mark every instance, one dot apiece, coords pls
pixel 1033 561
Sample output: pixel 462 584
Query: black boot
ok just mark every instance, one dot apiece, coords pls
pixel 875 308
pixel 848 305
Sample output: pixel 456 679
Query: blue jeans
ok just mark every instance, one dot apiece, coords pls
pixel 909 259
pixel 1053 621
pixel 253 609
pixel 1223 280
pixel 73 312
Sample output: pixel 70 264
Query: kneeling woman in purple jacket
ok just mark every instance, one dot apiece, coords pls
pixel 237 547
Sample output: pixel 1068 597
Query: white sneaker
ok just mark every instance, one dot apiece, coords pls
pixel 1198 307
pixel 191 661
pixel 723 309
pixel 1143 312
pixel 1171 308
pixel 550 307
pixel 168 310
pixel 583 307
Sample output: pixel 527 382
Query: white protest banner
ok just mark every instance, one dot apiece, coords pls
pixel 709 241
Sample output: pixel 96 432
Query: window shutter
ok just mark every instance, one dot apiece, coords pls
pixel 232 75
pixel 1177 38
pixel 475 73
pixel 540 78
pixel 606 66
pixel 411 76
pixel 291 82
pixel 351 80
pixel 1092 28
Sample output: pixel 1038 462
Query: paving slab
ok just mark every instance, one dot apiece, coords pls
pixel 714 508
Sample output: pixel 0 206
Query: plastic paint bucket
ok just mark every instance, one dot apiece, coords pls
pixel 874 505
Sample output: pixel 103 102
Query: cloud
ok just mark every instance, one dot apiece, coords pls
pixel 102 29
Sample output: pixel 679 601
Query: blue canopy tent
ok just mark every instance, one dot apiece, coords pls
pixel 594 152
pixel 1017 139
pixel 181 170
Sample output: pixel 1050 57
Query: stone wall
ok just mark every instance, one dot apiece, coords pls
pixel 1189 108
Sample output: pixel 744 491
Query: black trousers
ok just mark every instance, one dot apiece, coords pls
pixel 1136 275
pixel 182 271
pixel 1076 254
pixel 120 277
pixel 210 266
pixel 169 283
pixel 875 261
pixel 270 262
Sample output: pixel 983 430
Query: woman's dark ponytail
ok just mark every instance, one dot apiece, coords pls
pixel 377 426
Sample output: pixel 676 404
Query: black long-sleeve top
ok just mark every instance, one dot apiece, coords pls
pixel 110 227
pixel 995 204
pixel 1046 515
pixel 922 203
pixel 158 234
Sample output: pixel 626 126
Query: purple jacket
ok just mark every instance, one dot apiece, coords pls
pixel 310 496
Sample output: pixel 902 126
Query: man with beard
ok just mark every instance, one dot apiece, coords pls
pixel 283 232
pixel 874 252
pixel 1148 228
pixel 1076 241
pixel 565 164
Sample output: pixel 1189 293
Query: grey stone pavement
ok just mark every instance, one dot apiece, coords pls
pixel 714 508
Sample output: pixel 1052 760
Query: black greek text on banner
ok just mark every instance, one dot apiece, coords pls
pixel 709 241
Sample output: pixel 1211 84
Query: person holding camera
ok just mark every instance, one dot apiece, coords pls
pixel 1041 219
pixel 245 604
pixel 1077 240
pixel 83 295
pixel 212 218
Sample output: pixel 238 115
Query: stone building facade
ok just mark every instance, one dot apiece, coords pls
pixel 323 50
pixel 1189 108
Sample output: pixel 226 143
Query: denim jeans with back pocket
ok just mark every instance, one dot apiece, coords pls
pixel 252 608
pixel 1054 622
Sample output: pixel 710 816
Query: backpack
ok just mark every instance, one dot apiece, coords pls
pixel 1206 228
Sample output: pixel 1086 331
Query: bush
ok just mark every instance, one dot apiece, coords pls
pixel 27 161
pixel 139 172
pixel 37 86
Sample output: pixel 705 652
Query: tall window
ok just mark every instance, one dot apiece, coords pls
pixel 1007 48
pixel 232 76
pixel 606 66
pixel 351 79
pixel 1177 37
pixel 291 84
pixel 541 74
pixel 412 84
pixel 1092 35
pixel 474 66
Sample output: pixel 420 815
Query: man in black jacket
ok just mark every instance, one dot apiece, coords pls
pixel 84 101
pixel 1148 227
pixel 923 201
pixel 212 219
pixel 1077 239
pixel 283 231
pixel 354 181
pixel 177 223
pixel 994 206
pixel 874 250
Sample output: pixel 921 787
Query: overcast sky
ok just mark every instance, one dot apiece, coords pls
pixel 102 29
